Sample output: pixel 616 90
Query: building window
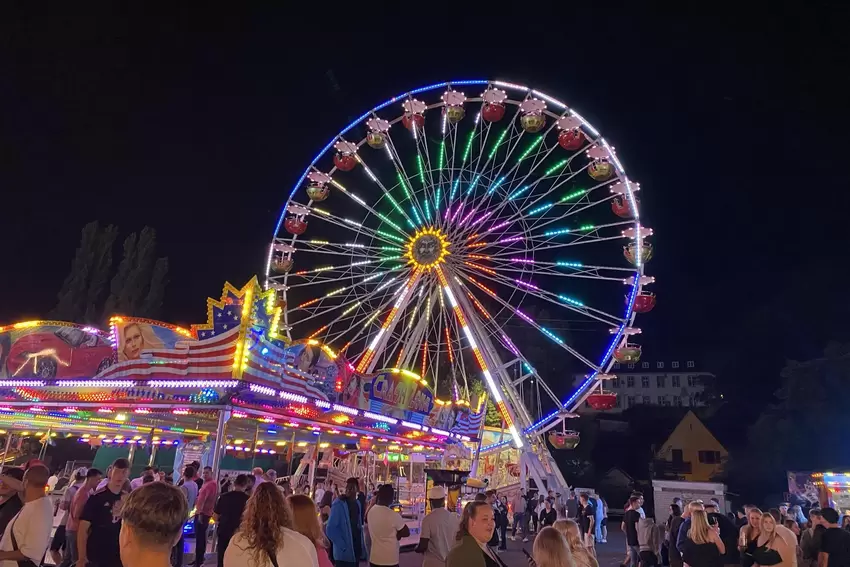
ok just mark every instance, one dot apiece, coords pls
pixel 619 401
pixel 677 401
pixel 677 456
pixel 616 366
pixel 675 364
pixel 631 366
pixel 644 365
pixel 661 381
pixel 630 401
pixel 675 380
pixel 615 383
pixel 630 381
pixel 644 381
pixel 709 457
pixel 690 364
pixel 662 401
pixel 692 380
pixel 646 401
pixel 659 365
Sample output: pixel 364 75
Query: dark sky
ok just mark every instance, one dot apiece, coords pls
pixel 198 124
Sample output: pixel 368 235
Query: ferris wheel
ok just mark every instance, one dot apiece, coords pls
pixel 450 229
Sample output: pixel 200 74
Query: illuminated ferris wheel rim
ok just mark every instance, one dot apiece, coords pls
pixel 638 279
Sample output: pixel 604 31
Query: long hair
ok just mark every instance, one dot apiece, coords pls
pixel 306 520
pixel 469 511
pixel 698 533
pixel 550 549
pixel 771 534
pixel 265 514
pixel 569 529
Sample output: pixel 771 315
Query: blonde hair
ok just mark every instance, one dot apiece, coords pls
pixel 569 529
pixel 306 520
pixel 767 516
pixel 698 533
pixel 551 549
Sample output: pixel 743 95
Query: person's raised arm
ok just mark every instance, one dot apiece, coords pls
pixel 718 542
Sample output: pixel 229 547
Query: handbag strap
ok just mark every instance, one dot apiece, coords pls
pixel 273 558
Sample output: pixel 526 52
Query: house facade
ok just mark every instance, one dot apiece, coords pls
pixel 691 452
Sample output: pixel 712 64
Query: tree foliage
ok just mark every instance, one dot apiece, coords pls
pixel 805 430
pixel 136 286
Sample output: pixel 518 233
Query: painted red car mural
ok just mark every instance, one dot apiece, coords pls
pixel 58 352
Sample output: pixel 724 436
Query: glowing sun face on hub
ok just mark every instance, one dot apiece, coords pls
pixel 427 248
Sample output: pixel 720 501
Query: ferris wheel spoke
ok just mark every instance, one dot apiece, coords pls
pixel 404 182
pixel 390 238
pixel 327 275
pixel 386 194
pixel 316 312
pixel 546 332
pixel 561 300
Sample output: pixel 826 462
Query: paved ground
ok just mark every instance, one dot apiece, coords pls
pixel 609 554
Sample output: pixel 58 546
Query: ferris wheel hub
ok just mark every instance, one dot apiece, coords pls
pixel 427 248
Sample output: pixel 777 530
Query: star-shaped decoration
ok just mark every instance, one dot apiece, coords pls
pixel 225 325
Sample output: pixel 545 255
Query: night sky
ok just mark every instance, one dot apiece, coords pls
pixel 198 124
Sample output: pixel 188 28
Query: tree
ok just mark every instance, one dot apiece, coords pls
pixel 492 417
pixel 804 430
pixel 83 288
pixel 136 288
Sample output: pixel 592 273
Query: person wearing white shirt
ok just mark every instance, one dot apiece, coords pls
pixel 319 493
pixel 138 482
pixel 386 528
pixel 439 530
pixel 27 535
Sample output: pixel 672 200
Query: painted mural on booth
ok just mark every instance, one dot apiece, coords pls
pixel 137 336
pixel 53 351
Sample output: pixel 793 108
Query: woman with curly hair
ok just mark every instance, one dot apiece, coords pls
pixel 307 524
pixel 266 537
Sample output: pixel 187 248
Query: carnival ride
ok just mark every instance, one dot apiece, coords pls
pixel 419 234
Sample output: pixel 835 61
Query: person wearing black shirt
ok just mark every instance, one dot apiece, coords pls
pixel 530 505
pixel 630 522
pixel 587 518
pixel 674 556
pixel 100 522
pixel 228 514
pixel 811 538
pixel 728 534
pixel 548 515
pixel 835 543
pixel 11 485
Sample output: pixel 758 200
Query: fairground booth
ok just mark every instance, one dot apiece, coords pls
pixel 230 393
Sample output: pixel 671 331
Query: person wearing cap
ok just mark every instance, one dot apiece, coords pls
pixel 26 537
pixel 439 528
pixel 11 485
pixel 78 502
pixel 59 542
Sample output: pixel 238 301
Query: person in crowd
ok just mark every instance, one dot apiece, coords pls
pixel 845 522
pixel 306 522
pixel 783 512
pixel 649 542
pixel 702 546
pixel 727 530
pixel 572 506
pixel 138 482
pixel 502 526
pixel 795 512
pixel 25 540
pixel 11 487
pixel 259 476
pixel 548 515
pixel 490 498
pixel 266 537
pixel 787 535
pixel 604 522
pixel 60 540
pixel 204 505
pixel 572 533
pixel 152 520
pixel 225 484
pixel 75 510
pixel 53 480
pixel 196 466
pixel 811 538
pixel 438 530
pixel 794 527
pixel 740 517
pixel 835 543
pixel 361 498
pixel 674 522
pixel 100 520
pixel 345 527
pixel 476 529
pixel 748 536
pixel 629 526
pixel 587 521
pixel 682 536
pixel 190 490
pixel 550 549
pixel 249 488
pixel 228 513
pixel 530 514
pixel 319 491
pixel 518 506
pixel 771 547
pixel 386 528
pixel 328 498
pixel 597 519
